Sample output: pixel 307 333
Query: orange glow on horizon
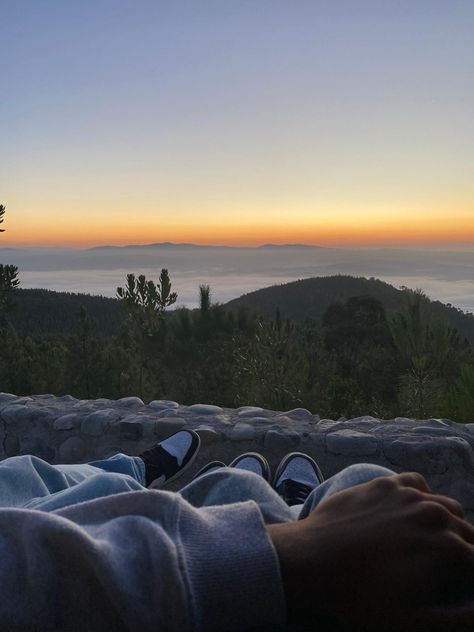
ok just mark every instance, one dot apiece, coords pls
pixel 345 226
pixel 451 232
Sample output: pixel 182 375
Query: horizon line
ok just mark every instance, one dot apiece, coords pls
pixel 247 246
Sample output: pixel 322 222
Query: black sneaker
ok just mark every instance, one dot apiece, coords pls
pixel 253 462
pixel 296 477
pixel 210 467
pixel 168 459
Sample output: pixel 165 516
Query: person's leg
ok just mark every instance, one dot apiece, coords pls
pixel 349 477
pixel 221 485
pixel 28 481
pixel 245 479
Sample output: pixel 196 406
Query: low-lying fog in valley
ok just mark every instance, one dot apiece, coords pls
pixel 445 275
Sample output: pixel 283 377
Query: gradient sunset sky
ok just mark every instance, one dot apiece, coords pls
pixel 332 122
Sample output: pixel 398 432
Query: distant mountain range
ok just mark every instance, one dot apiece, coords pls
pixel 171 245
pixel 45 311
pixel 164 245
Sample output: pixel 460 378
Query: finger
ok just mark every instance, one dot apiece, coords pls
pixel 466 532
pixel 413 479
pixel 453 506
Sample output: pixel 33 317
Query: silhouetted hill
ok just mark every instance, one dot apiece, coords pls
pixel 309 298
pixel 40 311
pixel 48 312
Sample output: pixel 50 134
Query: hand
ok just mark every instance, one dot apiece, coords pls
pixel 384 556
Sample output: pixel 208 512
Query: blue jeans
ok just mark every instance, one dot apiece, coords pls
pixel 28 482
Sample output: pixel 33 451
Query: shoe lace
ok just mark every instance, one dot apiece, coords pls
pixel 293 492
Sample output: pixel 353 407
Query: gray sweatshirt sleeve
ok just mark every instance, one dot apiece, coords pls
pixel 138 561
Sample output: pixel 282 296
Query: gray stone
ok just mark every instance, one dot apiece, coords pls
pixel 166 427
pixel 469 428
pixel 103 401
pixel 167 412
pixel 130 402
pixel 72 450
pixel 136 418
pixel 161 404
pixel 130 430
pixel 36 447
pixel 15 413
pixel 12 445
pixel 433 431
pixel 243 432
pixel 351 443
pixel 96 423
pixel 431 455
pixel 68 422
pixel 302 414
pixel 365 419
pixel 278 440
pixel 438 423
pixel 249 411
pixel 24 400
pixel 259 421
pixel 7 398
pixel 205 409
pixel 66 398
pixel 208 434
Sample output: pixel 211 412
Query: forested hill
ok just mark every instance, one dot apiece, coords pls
pixel 309 298
pixel 47 312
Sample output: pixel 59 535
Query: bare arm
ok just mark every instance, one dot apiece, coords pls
pixel 387 555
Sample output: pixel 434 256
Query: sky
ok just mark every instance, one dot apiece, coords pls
pixel 237 122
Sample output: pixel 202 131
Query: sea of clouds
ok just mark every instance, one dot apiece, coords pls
pixel 445 275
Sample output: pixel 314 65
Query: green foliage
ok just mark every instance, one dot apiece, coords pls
pixel 268 367
pixel 44 312
pixel 355 360
pixel 310 298
pixel 9 282
pixel 145 303
pixel 428 351
pixel 84 358
pixel 461 396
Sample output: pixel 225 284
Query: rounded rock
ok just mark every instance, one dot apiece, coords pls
pixel 12 446
pixel 166 427
pixel 7 398
pixel 351 443
pixel 130 430
pixel 205 409
pixel 300 414
pixel 96 423
pixel 15 413
pixel 72 450
pixel 249 411
pixel 243 432
pixel 130 402
pixel 68 422
pixel 278 440
pixel 162 404
pixel 167 412
pixel 208 434
pixel 36 447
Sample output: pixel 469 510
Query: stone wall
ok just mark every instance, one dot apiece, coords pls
pixel 67 430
